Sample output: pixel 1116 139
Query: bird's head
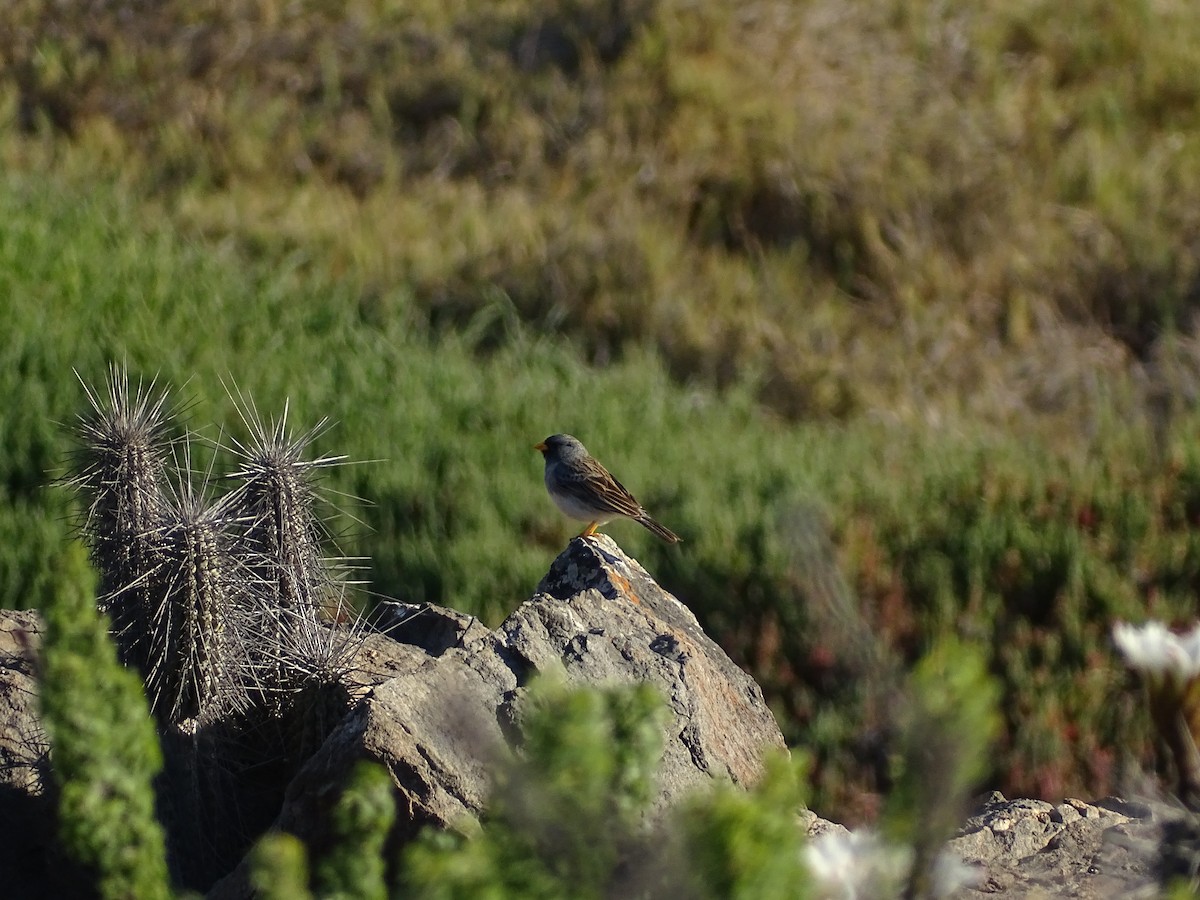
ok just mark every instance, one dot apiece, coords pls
pixel 559 446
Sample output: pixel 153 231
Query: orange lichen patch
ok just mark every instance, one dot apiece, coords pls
pixel 624 586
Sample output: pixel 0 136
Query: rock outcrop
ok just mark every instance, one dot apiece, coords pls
pixel 446 704
pixel 1091 851
pixel 443 694
pixel 27 815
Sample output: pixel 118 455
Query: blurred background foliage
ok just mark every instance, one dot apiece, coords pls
pixel 887 307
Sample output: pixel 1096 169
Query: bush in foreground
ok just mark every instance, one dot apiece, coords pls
pixel 104 750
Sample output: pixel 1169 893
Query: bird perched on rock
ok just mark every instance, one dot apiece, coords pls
pixel 584 490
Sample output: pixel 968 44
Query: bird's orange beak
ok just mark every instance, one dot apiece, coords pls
pixel 540 446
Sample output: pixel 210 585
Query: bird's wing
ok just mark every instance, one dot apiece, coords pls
pixel 596 487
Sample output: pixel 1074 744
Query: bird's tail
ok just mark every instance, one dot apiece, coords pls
pixel 661 531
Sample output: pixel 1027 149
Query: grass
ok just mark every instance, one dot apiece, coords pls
pixel 820 555
pixel 986 214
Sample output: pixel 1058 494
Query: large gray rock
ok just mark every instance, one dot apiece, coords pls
pixel 442 695
pixel 612 622
pixel 438 721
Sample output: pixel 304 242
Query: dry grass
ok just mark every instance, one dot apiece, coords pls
pixel 914 210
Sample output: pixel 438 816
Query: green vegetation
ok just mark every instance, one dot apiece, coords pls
pixel 885 306
pixel 877 205
pixel 104 749
pixel 747 844
pixel 1028 548
pixel 569 817
pixel 947 727
pixel 354 868
pixel 566 818
pixel 279 868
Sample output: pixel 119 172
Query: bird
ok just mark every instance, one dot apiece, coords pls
pixel 584 490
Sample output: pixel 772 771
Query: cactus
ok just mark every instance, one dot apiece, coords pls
pixel 120 471
pixel 213 601
pixel 197 632
pixel 297 659
pixel 225 605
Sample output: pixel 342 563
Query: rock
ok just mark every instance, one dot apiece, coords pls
pixel 1006 831
pixel 597 614
pixel 28 805
pixel 440 716
pixel 432 628
pixel 1030 848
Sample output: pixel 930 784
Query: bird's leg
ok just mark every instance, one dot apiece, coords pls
pixel 590 530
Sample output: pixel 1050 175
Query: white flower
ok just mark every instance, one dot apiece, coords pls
pixel 1158 651
pixel 860 865
pixel 855 865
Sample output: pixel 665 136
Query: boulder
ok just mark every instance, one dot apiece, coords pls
pixel 1031 848
pixel 439 718
pixel 443 694
pixel 27 814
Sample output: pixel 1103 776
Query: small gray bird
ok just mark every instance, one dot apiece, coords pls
pixel 584 490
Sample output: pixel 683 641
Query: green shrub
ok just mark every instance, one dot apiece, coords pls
pixel 948 723
pixel 104 751
pixel 354 867
pixel 279 868
pixel 567 816
pixel 748 844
